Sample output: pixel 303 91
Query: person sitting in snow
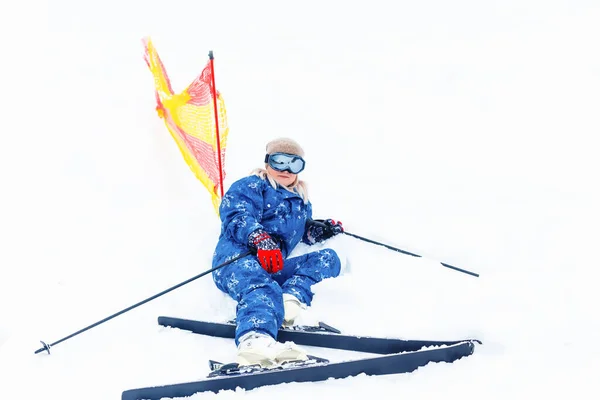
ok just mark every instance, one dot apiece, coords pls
pixel 269 213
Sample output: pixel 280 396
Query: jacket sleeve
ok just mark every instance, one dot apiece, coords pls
pixel 241 209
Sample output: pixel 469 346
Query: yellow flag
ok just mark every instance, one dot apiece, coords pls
pixel 190 118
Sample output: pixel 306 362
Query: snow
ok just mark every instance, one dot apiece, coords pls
pixel 461 131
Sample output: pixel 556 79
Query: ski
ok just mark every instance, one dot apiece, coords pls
pixel 377 365
pixel 391 356
pixel 322 336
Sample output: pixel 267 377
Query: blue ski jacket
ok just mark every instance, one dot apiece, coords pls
pixel 251 203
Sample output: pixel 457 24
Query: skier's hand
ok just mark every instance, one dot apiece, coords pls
pixel 320 230
pixel 268 252
pixel 333 227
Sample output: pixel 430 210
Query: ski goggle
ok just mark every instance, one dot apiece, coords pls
pixel 285 162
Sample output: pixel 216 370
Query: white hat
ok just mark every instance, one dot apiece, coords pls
pixel 284 145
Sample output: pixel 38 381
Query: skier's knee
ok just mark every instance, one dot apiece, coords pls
pixel 331 261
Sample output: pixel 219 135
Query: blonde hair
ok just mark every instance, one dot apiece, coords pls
pixel 298 187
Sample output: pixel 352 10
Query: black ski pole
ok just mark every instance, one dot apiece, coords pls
pixel 410 254
pixel 400 250
pixel 48 346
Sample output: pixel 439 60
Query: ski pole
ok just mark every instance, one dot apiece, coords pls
pixel 409 253
pixel 387 246
pixel 48 346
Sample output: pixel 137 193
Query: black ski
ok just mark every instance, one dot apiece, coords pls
pixel 377 365
pixel 308 336
pixel 399 356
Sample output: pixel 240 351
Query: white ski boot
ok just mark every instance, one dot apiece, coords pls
pixel 259 348
pixel 292 307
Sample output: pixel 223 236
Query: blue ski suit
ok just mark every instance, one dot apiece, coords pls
pixel 251 203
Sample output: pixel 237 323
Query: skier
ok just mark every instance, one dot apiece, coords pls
pixel 269 212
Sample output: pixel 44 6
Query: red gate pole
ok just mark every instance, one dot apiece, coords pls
pixel 214 94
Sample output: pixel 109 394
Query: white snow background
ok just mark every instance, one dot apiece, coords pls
pixel 463 131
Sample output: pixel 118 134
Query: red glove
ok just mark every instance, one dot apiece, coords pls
pixel 268 252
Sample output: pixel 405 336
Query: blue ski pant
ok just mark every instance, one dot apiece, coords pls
pixel 259 294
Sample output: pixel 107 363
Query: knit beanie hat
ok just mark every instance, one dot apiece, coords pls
pixel 284 145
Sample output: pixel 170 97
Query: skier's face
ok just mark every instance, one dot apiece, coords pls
pixel 284 178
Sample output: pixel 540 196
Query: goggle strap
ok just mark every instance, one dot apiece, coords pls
pixel 266 158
